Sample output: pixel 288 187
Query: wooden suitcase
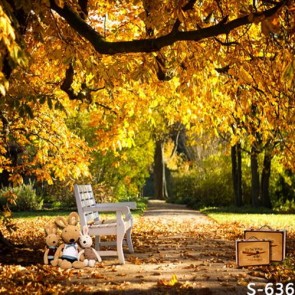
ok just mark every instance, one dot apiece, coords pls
pixel 277 238
pixel 252 251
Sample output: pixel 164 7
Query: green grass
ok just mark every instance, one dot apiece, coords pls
pixel 40 213
pixel 255 218
pixel 53 212
pixel 233 209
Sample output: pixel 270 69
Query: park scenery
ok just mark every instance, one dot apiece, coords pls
pixel 185 109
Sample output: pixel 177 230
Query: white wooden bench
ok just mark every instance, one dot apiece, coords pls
pixel 120 227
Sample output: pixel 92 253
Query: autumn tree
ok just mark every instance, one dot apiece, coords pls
pixel 171 22
pixel 257 98
pixel 40 146
pixel 98 49
pixel 117 173
pixel 33 114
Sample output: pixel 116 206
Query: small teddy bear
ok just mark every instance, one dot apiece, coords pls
pixel 66 255
pixel 51 240
pixel 89 253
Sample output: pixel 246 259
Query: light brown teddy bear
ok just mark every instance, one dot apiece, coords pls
pixel 52 241
pixel 66 255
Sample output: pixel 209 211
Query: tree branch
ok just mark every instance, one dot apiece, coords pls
pixel 154 44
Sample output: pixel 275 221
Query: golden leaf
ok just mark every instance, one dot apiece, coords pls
pixel 288 73
pixel 245 76
pixel 16 179
pixel 170 282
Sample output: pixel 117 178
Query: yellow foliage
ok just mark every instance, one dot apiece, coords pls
pixel 16 179
pixel 172 160
pixel 122 92
pixel 245 75
pixel 169 283
pixel 10 196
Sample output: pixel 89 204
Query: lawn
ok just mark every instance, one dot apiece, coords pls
pixel 254 220
pixel 248 217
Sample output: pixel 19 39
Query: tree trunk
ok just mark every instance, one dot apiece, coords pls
pixel 180 139
pixel 254 178
pixel 13 153
pixel 4 176
pixel 4 243
pixel 236 158
pixel 159 173
pixel 265 177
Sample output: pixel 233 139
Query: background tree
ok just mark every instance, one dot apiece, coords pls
pixel 110 73
pixel 258 88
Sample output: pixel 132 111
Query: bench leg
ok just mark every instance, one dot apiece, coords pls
pixel 97 243
pixel 120 238
pixel 129 240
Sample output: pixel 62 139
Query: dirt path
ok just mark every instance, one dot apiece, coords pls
pixel 161 209
pixel 172 241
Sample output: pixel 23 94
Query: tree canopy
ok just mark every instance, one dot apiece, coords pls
pixel 129 23
pixel 129 64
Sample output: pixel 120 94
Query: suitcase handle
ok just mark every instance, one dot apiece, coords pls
pixel 266 227
pixel 252 238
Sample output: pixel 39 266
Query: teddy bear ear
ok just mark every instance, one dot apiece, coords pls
pixel 54 230
pixel 47 230
pixel 50 229
pixel 73 218
pixel 85 230
pixel 61 222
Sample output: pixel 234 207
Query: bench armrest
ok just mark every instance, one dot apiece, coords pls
pixel 107 208
pixel 131 205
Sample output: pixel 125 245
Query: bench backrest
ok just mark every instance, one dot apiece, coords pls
pixel 85 199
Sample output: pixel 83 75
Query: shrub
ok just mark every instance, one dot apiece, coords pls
pixel 286 207
pixel 209 184
pixel 58 195
pixel 26 198
pixel 285 186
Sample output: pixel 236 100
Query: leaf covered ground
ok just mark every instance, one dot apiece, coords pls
pixel 176 252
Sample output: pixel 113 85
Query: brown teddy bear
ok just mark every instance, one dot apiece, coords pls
pixel 66 255
pixel 52 241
